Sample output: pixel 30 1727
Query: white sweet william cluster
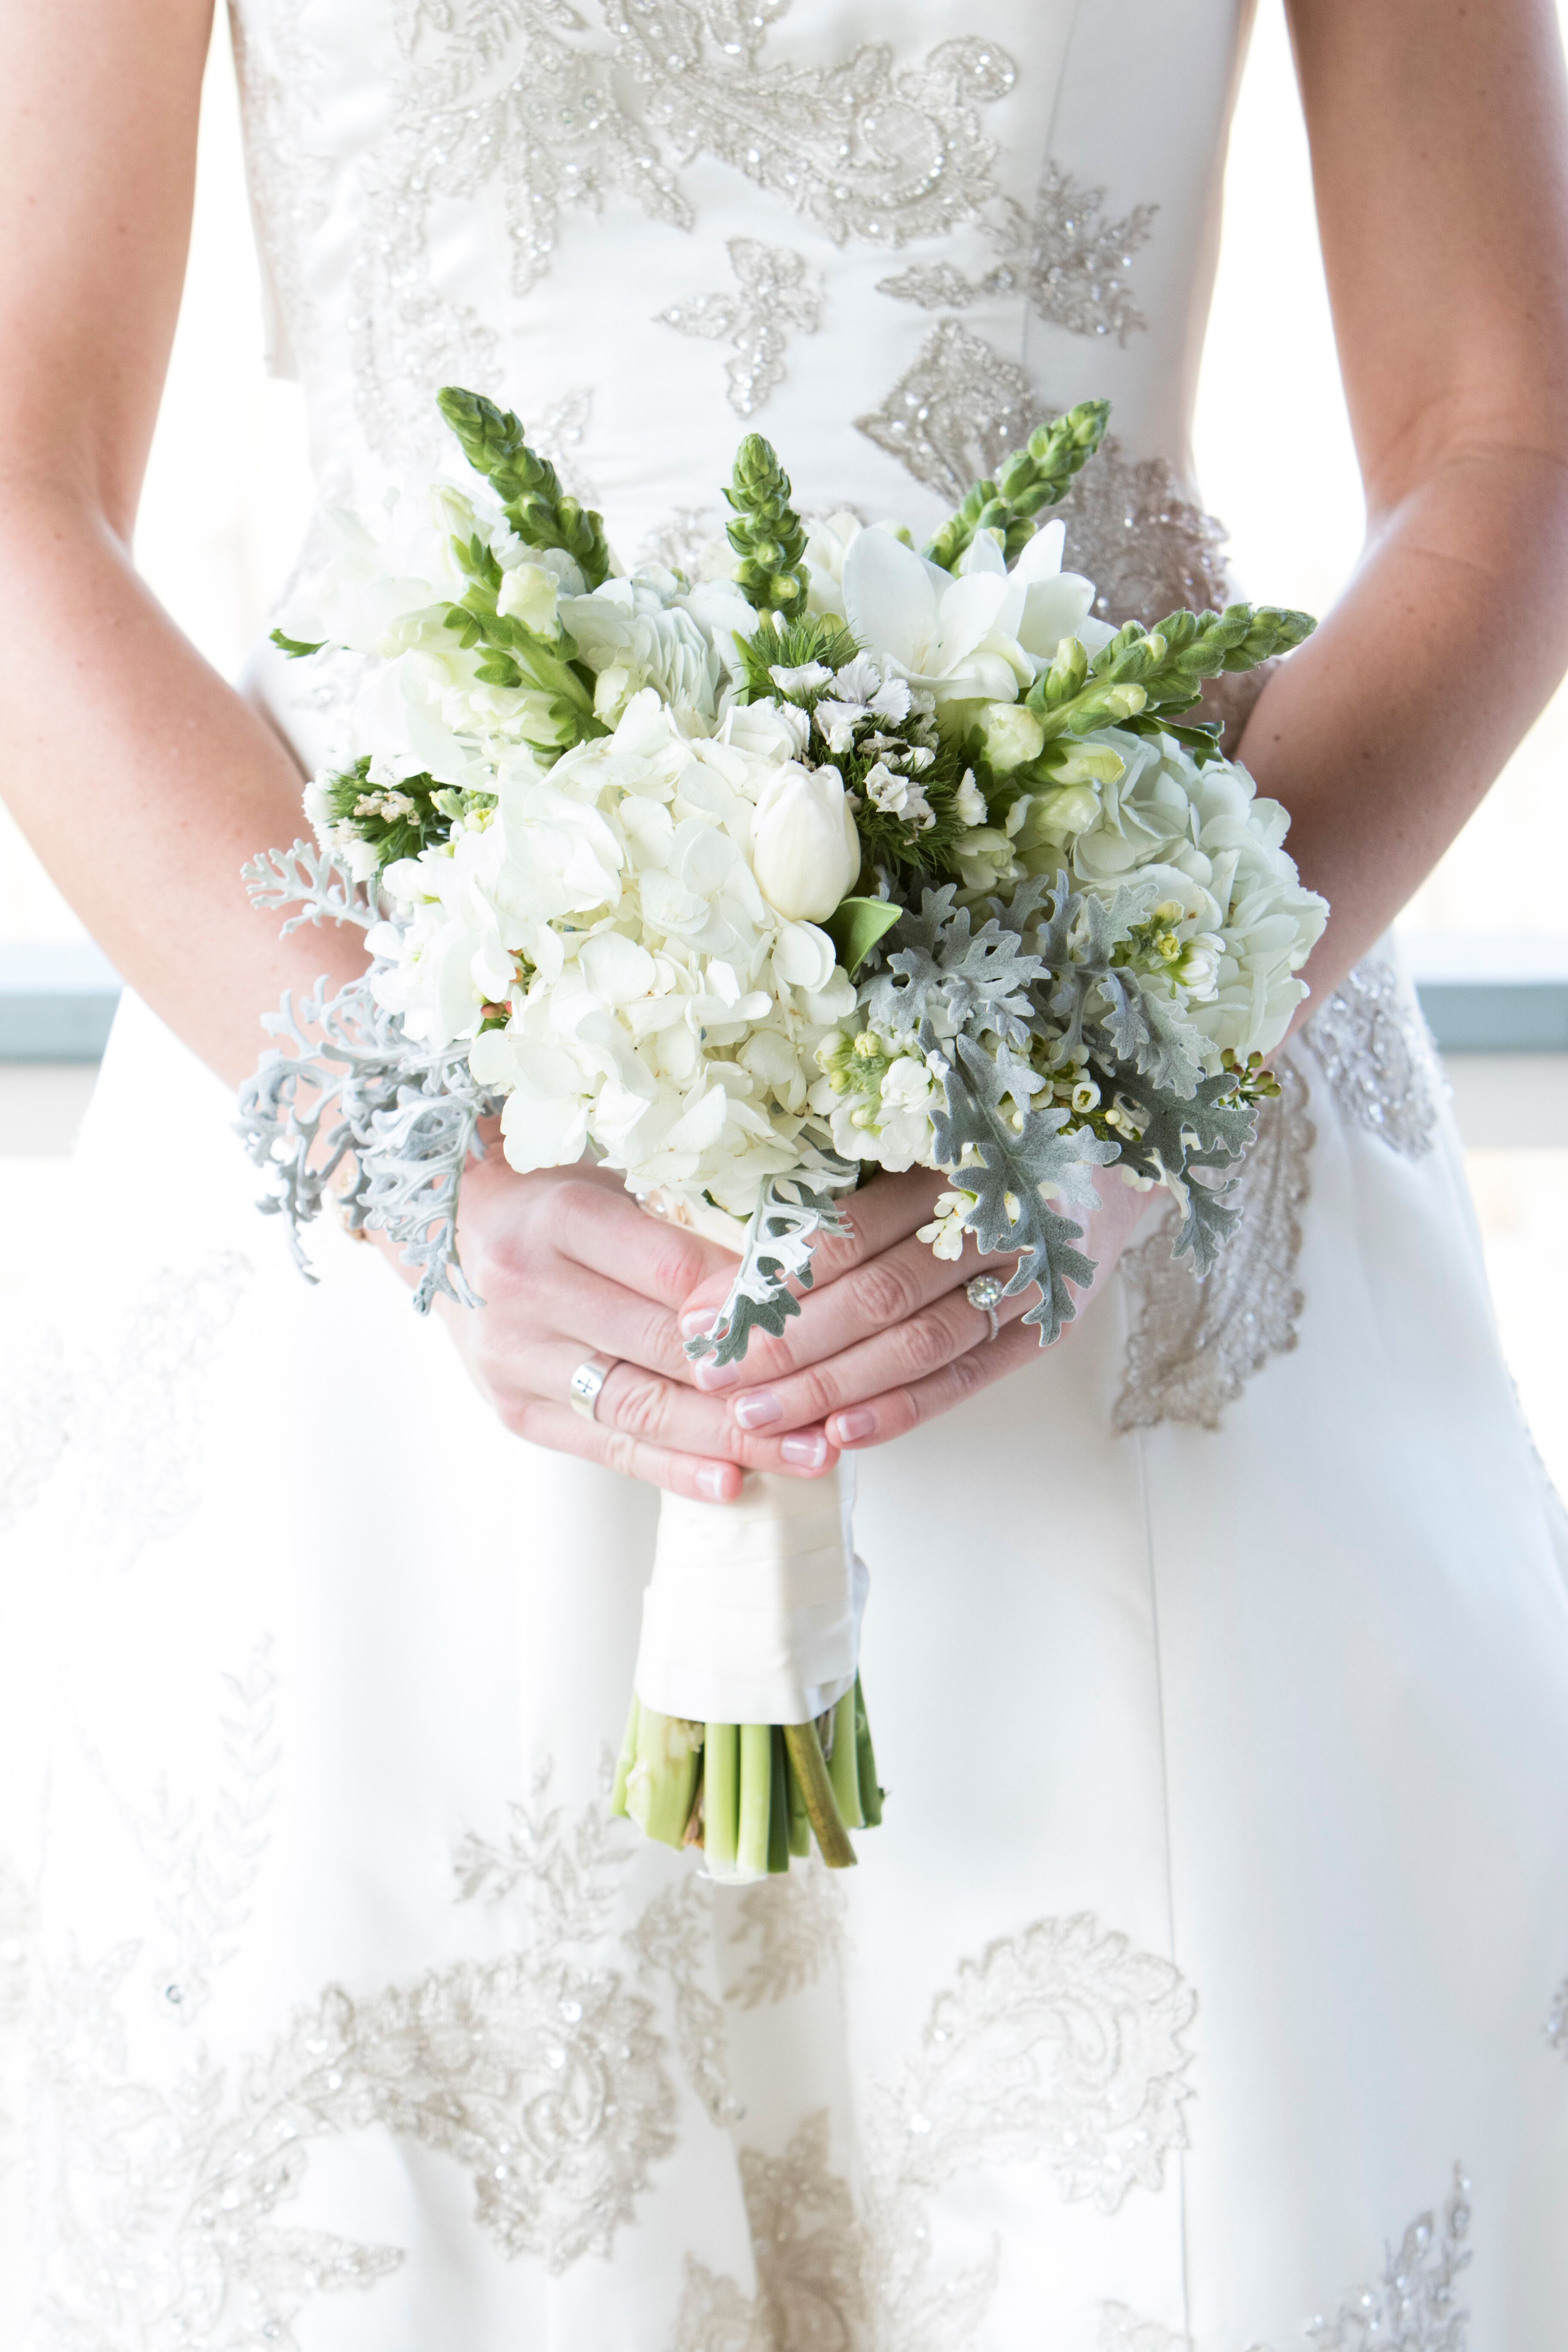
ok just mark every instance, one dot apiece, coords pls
pixel 638 990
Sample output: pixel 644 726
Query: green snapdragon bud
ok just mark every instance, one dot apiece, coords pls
pixel 526 484
pixel 1038 474
pixel 766 534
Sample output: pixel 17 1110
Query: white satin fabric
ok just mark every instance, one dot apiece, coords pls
pixel 1219 1661
pixel 752 1612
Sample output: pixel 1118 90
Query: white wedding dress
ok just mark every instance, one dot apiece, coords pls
pixel 1202 1985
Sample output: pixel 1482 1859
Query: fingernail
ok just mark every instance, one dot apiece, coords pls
pixel 756 1408
pixel 710 1375
pixel 713 1481
pixel 695 1321
pixel 806 1452
pixel 849 1427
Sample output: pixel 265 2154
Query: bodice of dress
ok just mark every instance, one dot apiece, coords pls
pixel 889 233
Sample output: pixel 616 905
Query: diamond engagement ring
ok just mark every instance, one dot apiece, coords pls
pixel 984 1292
pixel 582 1388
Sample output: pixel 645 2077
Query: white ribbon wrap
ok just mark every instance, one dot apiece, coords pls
pixel 753 1613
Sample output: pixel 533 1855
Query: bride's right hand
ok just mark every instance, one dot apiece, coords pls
pixel 539 1250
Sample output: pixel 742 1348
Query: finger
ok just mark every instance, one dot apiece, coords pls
pixel 565 1431
pixel 600 1318
pixel 890 1289
pixel 881 1214
pixel 598 1224
pixel 904 1355
pixel 897 1411
pixel 641 1405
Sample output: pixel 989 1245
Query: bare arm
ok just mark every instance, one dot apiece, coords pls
pixel 141 779
pixel 1439 139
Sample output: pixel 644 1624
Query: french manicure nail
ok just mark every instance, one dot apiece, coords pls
pixel 756 1408
pixel 806 1452
pixel 858 1422
pixel 695 1319
pixel 713 1480
pixel 710 1375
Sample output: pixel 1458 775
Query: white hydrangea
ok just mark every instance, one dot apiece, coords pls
pixel 657 1007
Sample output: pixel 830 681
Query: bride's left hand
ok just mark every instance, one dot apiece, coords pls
pixel 887 1339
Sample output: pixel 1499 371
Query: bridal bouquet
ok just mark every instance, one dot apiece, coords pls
pixel 839 853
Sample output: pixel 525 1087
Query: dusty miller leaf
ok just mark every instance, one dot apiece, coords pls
pixel 777 1249
pixel 1005 1161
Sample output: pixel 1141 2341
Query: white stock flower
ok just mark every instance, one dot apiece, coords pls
pixel 805 852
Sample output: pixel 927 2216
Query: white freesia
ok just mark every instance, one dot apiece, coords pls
pixel 805 852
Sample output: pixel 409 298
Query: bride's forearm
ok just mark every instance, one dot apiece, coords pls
pixel 1386 730
pixel 145 782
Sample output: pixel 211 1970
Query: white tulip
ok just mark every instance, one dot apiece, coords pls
pixel 805 852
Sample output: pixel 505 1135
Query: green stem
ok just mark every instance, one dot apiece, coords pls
pixel 799 1825
pixel 778 1806
pixel 721 1795
pixel 816 1790
pixel 626 1759
pixel 662 1782
pixel 756 1799
pixel 865 1757
pixel 844 1765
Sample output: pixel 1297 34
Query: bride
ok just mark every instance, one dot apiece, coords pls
pixel 1201 1985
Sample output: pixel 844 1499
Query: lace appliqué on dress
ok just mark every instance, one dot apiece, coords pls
pixel 523 98
pixel 1193 1344
pixel 126 1427
pixel 1122 2330
pixel 777 294
pixel 1069 265
pixel 795 1926
pixel 288 185
pixel 1063 2044
pixel 1412 2308
pixel 1375 1052
pixel 542 2074
pixel 958 411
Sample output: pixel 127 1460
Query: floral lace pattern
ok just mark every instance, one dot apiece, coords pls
pixel 1413 2306
pixel 124 1425
pixel 1071 266
pixel 1193 1344
pixel 1377 1055
pixel 776 294
pixel 524 97
pixel 796 1927
pixel 1062 2046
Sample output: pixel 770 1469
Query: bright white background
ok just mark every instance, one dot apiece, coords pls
pixel 228 490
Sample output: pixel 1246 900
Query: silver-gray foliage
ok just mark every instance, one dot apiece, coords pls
pixel 358 1110
pixel 777 1249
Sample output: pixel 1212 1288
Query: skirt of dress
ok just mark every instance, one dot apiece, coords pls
pixel 1205 1958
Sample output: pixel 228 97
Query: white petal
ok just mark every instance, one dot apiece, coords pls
pixel 1042 555
pixel 890 596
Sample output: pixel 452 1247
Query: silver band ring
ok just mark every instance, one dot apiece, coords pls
pixel 582 1388
pixel 984 1291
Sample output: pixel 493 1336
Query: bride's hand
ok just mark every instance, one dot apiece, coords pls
pixel 887 1337
pixel 569 1267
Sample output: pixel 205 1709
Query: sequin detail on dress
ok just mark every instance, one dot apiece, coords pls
pixel 1375 1052
pixel 777 294
pixel 1194 1344
pixel 1070 267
